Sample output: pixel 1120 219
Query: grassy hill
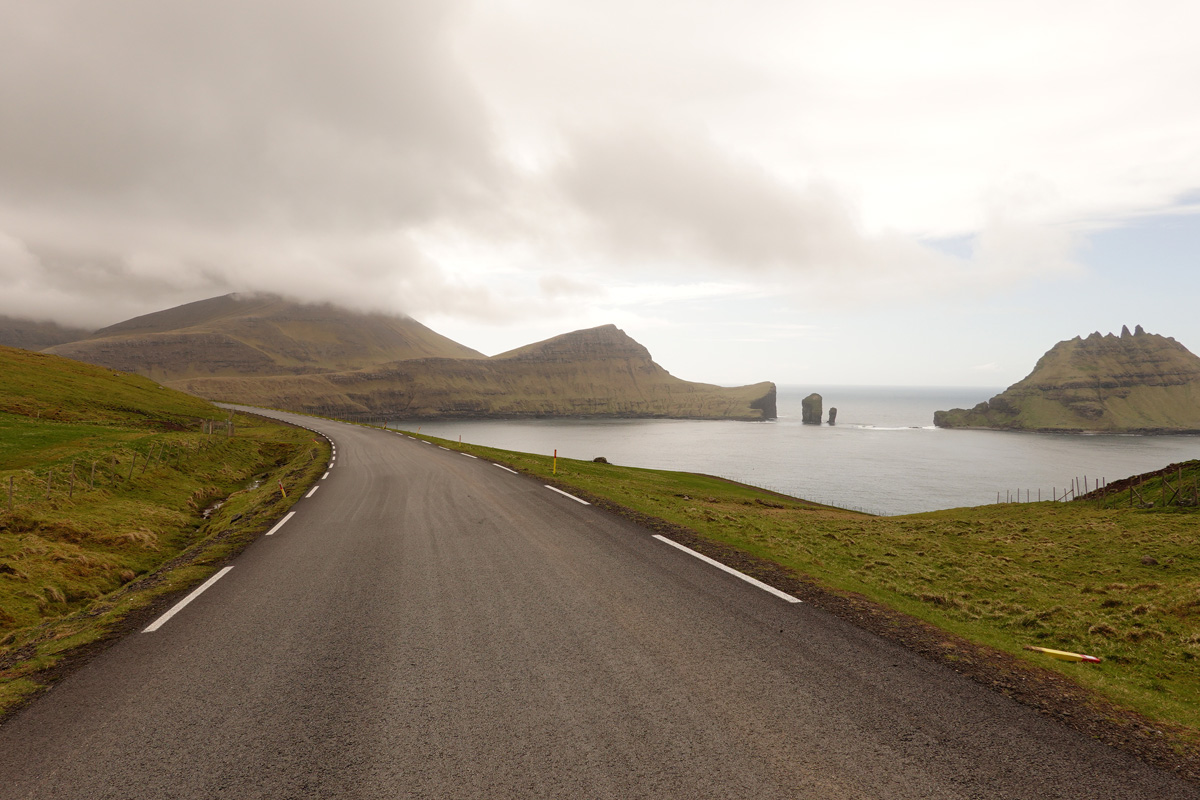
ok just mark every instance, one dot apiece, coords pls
pixel 104 478
pixel 599 372
pixel 1132 383
pixel 255 335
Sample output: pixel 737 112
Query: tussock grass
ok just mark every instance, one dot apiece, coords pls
pixel 1119 583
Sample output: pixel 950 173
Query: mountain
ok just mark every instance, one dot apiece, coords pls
pixel 1133 383
pixel 598 372
pixel 32 335
pixel 240 334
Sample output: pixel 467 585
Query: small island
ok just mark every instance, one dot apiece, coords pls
pixel 1133 383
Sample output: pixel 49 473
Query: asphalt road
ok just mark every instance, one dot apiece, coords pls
pixel 429 625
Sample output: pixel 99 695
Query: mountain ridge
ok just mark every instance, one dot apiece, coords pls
pixel 1137 382
pixel 264 350
pixel 257 334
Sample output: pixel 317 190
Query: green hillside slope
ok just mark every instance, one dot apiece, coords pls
pixel 258 335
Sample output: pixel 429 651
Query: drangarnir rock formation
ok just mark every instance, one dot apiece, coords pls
pixel 1137 382
pixel 810 409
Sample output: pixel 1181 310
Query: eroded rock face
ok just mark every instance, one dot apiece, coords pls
pixel 810 409
pixel 1135 382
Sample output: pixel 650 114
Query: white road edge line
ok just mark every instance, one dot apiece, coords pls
pixel 731 570
pixel 468 455
pixel 312 491
pixel 447 449
pixel 564 494
pixel 281 522
pixel 326 475
pixel 506 469
pixel 158 623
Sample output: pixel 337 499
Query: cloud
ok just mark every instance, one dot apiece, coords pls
pixel 515 159
pixel 170 149
pixel 683 203
pixel 680 197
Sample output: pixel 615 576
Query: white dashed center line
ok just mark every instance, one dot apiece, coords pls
pixel 730 570
pixel 279 524
pixel 564 494
pixel 158 623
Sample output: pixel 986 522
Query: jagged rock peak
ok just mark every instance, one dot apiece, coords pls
pixel 1125 334
pixel 1137 331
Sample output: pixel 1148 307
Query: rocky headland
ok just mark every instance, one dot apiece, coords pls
pixel 598 372
pixel 1133 383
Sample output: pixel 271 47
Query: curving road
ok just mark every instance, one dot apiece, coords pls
pixel 427 625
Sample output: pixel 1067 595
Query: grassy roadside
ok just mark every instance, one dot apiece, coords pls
pixel 1119 583
pixel 111 476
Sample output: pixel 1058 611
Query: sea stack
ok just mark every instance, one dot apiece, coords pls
pixel 811 409
pixel 833 416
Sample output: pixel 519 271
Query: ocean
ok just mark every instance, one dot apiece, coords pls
pixel 883 456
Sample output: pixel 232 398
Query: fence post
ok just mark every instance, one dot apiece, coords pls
pixel 10 502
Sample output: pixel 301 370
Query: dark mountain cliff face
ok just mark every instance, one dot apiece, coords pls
pixel 1135 382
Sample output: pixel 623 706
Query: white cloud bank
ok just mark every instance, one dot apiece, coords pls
pixel 495 162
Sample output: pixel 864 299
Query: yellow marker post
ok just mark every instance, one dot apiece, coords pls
pixel 555 469
pixel 282 491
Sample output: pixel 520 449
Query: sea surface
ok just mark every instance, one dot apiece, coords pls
pixel 883 456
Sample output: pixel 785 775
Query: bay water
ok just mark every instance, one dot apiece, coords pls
pixel 883 456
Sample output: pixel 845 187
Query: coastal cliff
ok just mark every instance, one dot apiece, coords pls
pixel 598 372
pixel 1133 383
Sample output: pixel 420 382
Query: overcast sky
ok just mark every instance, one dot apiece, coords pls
pixel 870 192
